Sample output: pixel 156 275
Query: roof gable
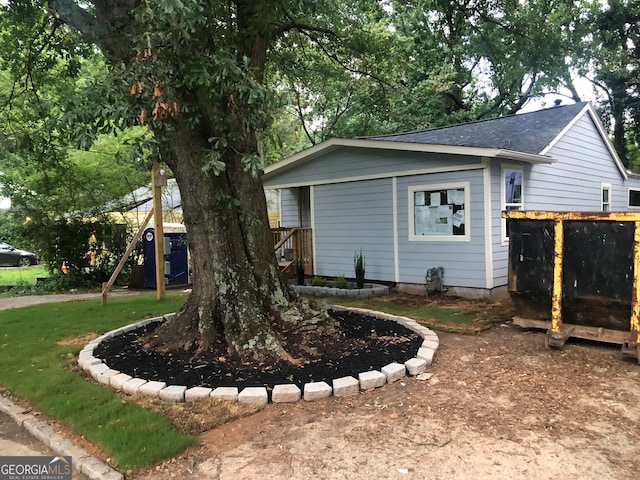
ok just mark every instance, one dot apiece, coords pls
pixel 526 137
pixel 527 132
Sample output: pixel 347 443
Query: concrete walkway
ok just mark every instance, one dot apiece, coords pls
pixel 19 302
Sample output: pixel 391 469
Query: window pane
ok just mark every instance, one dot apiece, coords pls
pixel 439 212
pixel 634 198
pixel 513 186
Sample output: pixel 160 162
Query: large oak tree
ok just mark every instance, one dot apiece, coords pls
pixel 193 72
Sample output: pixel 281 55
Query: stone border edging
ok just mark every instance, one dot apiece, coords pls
pixel 340 387
pixel 83 461
pixel 369 290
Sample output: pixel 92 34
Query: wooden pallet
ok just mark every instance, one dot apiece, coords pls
pixel 597 334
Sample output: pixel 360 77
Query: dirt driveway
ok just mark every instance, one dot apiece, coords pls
pixel 499 405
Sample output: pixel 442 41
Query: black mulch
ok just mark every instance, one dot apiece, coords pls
pixel 363 343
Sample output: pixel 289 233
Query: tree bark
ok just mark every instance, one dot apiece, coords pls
pixel 238 296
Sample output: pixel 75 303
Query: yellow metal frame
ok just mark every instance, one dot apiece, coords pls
pixel 558 227
pixel 635 295
pixel 556 298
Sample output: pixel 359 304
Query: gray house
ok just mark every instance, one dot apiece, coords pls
pixel 414 201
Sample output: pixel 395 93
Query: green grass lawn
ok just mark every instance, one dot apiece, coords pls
pixel 17 275
pixel 424 313
pixel 34 365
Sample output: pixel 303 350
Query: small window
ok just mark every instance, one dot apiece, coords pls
pixel 606 197
pixel 512 194
pixel 513 189
pixel 439 212
pixel 634 198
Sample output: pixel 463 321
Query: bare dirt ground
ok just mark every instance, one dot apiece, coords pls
pixel 498 404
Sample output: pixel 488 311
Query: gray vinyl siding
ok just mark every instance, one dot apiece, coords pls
pixel 350 217
pixel 500 253
pixel 289 207
pixel 463 262
pixel 573 182
pixel 359 163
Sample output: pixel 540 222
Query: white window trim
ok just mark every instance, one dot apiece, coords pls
pixel 440 238
pixel 629 206
pixel 503 193
pixel 603 187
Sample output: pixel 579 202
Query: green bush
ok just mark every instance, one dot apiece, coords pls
pixel 318 281
pixel 340 282
pixel 69 241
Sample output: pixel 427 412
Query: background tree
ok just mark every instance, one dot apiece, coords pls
pixel 609 56
pixel 427 63
pixel 41 65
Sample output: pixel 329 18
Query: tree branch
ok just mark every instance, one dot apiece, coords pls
pixel 77 18
pixel 294 25
pixel 569 85
pixel 106 29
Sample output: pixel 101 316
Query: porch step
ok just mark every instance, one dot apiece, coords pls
pixel 286 267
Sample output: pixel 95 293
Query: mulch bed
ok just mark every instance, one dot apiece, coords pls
pixel 360 344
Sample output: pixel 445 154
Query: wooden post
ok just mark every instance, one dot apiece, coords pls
pixel 159 180
pixel 107 285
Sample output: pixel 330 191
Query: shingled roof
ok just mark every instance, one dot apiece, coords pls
pixel 527 132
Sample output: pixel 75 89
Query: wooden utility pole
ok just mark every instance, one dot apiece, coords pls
pixel 159 180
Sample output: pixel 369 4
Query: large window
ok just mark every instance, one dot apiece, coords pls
pixel 634 198
pixel 512 194
pixel 439 212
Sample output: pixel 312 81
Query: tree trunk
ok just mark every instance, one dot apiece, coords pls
pixel 238 296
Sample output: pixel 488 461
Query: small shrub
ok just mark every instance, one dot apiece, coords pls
pixel 300 271
pixel 358 264
pixel 318 281
pixel 340 282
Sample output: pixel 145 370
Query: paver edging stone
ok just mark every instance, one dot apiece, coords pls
pixel 152 388
pixel 285 394
pixel 105 377
pixel 227 394
pixel 196 393
pixel 345 386
pixel 124 382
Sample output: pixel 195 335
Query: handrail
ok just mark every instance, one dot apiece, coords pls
pixel 296 243
pixel 285 238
